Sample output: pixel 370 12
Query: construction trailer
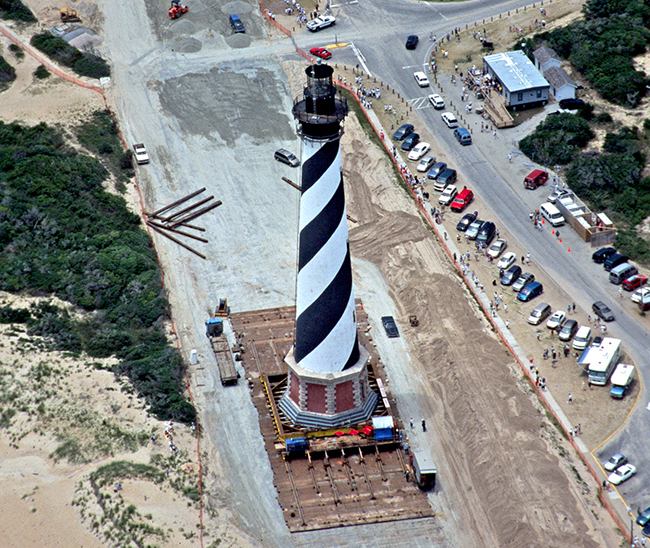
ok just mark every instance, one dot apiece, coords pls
pixel 424 469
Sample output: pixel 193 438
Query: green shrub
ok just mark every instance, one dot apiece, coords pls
pixel 84 64
pixel 16 11
pixel 603 118
pixel 62 234
pixel 100 135
pixel 603 45
pixel 14 315
pixel 630 243
pixel 42 73
pixel 17 51
pixel 121 470
pixel 7 72
pixel 557 139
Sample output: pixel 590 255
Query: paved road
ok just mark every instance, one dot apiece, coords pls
pixel 491 178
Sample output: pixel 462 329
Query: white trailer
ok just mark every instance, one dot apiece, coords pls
pixel 621 380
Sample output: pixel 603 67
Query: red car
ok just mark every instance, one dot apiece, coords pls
pixel 320 52
pixel 634 281
pixel 463 199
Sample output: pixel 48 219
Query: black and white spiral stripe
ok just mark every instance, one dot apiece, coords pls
pixel 326 334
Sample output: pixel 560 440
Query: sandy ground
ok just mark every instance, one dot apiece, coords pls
pixel 507 478
pixel 73 417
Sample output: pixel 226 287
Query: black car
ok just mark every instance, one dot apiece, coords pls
pixel 486 234
pixel 614 260
pixel 436 170
pixel 510 275
pixel 403 131
pixel 467 220
pixel 412 42
pixel 602 254
pixel 411 140
pixel 390 326
pixel 571 104
pixel 603 311
pixel 596 342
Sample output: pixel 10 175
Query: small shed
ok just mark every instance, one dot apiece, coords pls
pixel 545 58
pixel 562 86
pixel 383 427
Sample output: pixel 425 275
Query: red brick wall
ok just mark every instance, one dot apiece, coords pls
pixel 344 396
pixel 316 398
pixel 294 391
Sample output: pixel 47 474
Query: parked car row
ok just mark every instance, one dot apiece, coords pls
pixel 621 470
pixel 623 273
pixel 567 328
pixel 407 135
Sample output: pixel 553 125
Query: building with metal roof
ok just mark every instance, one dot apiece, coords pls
pixel 520 83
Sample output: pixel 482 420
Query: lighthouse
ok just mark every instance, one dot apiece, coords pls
pixel 328 377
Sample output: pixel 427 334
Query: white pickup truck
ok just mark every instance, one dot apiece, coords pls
pixel 141 154
pixel 321 22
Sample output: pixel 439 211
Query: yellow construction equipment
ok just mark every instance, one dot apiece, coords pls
pixel 69 16
pixel 223 310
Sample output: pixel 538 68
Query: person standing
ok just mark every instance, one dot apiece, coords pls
pixel 571 398
pixel 411 422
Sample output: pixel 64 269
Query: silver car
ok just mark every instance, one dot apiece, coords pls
pixel 286 157
pixel 472 232
pixel 426 163
pixel 497 248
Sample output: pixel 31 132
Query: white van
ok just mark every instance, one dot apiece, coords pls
pixel 582 338
pixel 622 272
pixel 421 79
pixel 552 214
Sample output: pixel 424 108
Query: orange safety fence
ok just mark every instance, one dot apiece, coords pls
pixel 272 20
